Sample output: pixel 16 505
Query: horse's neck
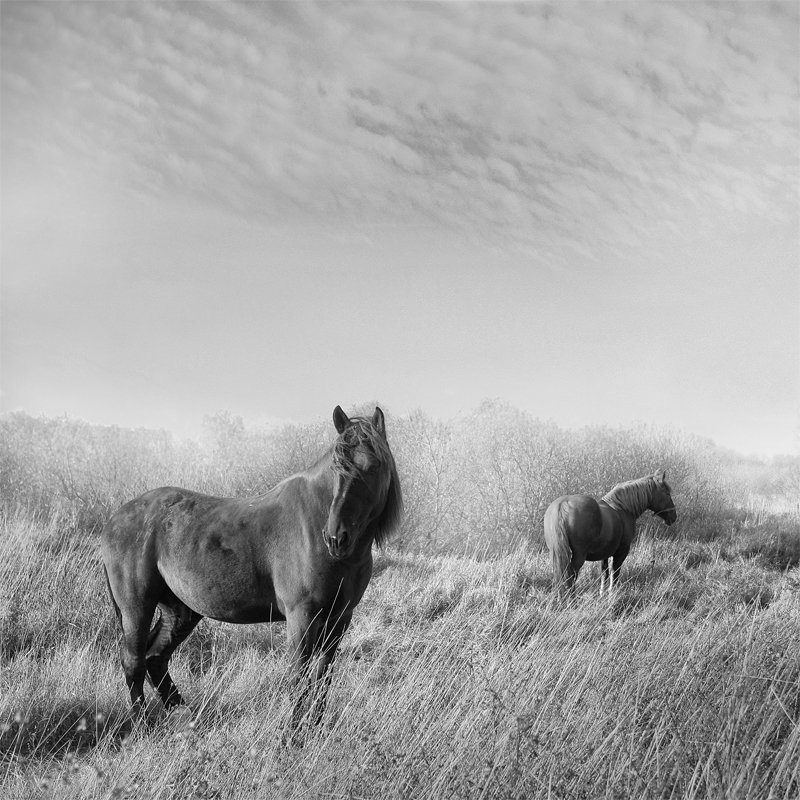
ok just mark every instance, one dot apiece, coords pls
pixel 619 508
pixel 320 475
pixel 634 503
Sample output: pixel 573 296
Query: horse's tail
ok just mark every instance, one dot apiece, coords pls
pixel 555 534
pixel 113 599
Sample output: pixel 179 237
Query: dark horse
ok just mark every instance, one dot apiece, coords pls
pixel 578 528
pixel 301 552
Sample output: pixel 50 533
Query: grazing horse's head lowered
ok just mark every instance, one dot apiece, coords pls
pixel 364 476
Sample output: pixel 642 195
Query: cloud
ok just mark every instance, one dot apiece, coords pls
pixel 533 122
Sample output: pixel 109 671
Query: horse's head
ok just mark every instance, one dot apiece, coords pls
pixel 661 503
pixel 366 493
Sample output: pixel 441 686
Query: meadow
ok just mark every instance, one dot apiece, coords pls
pixel 460 676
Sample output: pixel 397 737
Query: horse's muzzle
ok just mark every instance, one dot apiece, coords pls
pixel 339 545
pixel 669 515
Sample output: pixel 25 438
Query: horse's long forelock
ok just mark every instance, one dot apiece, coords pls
pixel 631 496
pixel 361 430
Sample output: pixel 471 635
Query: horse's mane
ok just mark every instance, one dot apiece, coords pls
pixel 362 431
pixel 631 496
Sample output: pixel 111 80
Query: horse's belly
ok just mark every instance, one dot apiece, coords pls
pixel 600 555
pixel 606 544
pixel 239 596
pixel 251 615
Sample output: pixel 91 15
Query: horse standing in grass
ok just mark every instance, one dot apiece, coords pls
pixel 578 528
pixel 301 552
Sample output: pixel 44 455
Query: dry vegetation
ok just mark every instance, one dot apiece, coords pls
pixel 459 677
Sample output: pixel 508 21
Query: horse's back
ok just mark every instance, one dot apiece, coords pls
pixel 135 521
pixel 571 514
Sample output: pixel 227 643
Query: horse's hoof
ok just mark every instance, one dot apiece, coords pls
pixel 180 718
pixel 174 701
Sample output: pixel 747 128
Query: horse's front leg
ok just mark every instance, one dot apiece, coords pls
pixel 604 576
pixel 327 645
pixel 314 638
pixel 619 557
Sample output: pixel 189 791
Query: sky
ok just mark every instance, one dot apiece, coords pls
pixel 587 210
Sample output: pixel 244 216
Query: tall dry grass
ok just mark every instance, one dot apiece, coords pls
pixel 459 676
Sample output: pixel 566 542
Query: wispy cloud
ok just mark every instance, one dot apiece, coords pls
pixel 508 193
pixel 565 124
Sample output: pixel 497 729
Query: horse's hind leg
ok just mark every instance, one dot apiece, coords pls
pixel 135 629
pixel 174 624
pixel 572 573
pixel 564 579
pixel 134 608
pixel 134 623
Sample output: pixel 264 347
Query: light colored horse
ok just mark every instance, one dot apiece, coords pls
pixel 578 528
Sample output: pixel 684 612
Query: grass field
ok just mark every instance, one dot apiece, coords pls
pixel 459 678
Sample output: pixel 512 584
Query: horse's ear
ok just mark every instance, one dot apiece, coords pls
pixel 660 476
pixel 340 419
pixel 379 422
